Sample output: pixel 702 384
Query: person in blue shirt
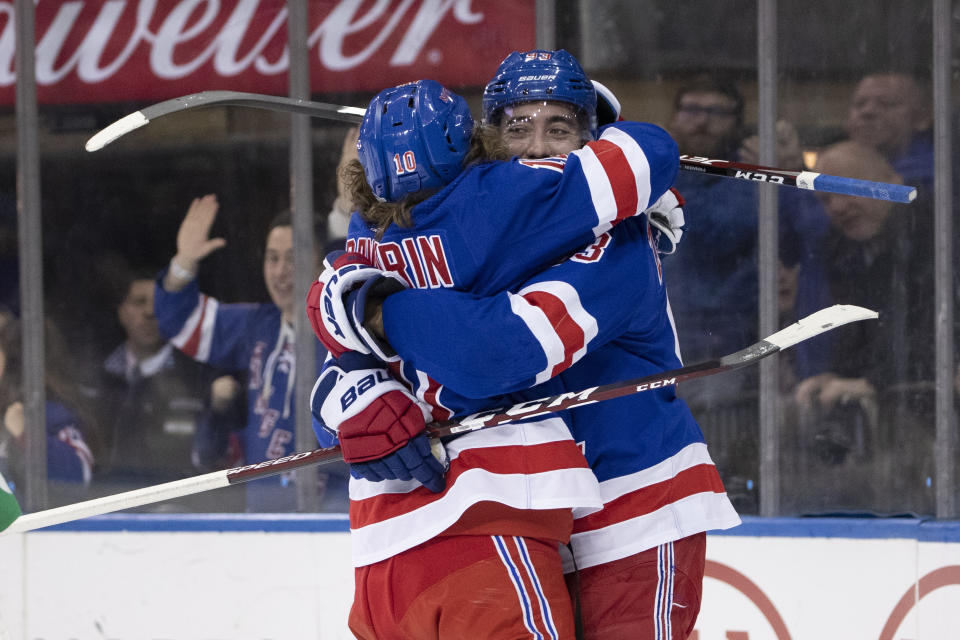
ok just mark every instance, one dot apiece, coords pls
pixel 254 338
pixel 70 459
pixel 890 112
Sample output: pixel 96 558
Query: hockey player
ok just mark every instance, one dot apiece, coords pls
pixel 508 493
pixel 641 558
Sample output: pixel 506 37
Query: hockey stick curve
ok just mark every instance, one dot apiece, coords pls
pixel 724 168
pixel 808 327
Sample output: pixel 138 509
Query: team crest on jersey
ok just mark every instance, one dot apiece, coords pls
pixel 555 163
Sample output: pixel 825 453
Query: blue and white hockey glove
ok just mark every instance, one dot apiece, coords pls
pixel 666 215
pixel 337 301
pixel 608 107
pixel 380 424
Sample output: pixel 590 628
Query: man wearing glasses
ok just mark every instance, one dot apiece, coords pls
pixel 713 281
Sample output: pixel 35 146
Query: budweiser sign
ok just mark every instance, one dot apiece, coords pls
pixel 149 50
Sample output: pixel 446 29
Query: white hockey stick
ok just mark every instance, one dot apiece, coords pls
pixel 813 325
pixel 724 168
pixel 137 119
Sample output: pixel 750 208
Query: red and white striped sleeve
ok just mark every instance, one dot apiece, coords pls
pixel 618 175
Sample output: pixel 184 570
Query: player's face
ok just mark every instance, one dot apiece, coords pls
pixel 136 316
pixel 278 268
pixel 541 129
pixel 705 123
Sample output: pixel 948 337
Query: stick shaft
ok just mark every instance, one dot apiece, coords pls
pixel 812 325
pixel 171 490
pixel 354 115
pixel 800 179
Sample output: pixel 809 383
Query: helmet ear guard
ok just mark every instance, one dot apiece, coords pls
pixel 540 75
pixel 608 106
pixel 413 137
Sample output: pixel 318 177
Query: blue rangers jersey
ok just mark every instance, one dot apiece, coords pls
pixel 69 458
pixel 491 228
pixel 243 337
pixel 600 317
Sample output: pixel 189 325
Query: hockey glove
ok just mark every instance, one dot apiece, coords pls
pixel 380 425
pixel 666 214
pixel 608 107
pixel 337 301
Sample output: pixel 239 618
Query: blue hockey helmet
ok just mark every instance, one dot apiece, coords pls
pixel 540 75
pixel 413 137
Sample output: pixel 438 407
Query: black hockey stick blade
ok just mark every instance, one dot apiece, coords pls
pixel 138 119
pixel 810 326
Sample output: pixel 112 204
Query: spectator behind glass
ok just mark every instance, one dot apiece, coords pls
pixel 254 338
pixel 153 403
pixel 713 281
pixel 70 460
pixel 339 217
pixel 890 112
pixel 874 403
pixel 713 278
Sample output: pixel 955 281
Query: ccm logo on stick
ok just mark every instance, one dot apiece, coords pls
pixel 656 384
pixel 759 177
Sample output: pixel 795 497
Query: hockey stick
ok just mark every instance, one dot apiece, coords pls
pixel 813 325
pixel 137 119
pixel 799 179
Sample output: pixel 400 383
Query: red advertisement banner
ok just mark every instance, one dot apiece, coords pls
pixel 91 51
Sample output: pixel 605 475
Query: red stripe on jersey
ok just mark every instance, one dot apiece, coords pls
pixel 540 458
pixel 192 345
pixel 556 163
pixel 438 411
pixel 570 333
pixel 397 370
pixel 620 174
pixel 698 479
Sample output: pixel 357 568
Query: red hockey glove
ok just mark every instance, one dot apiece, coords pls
pixel 666 214
pixel 380 425
pixel 336 303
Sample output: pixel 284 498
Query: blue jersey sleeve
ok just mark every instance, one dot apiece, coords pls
pixel 481 346
pixel 203 328
pixel 68 456
pixel 586 192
